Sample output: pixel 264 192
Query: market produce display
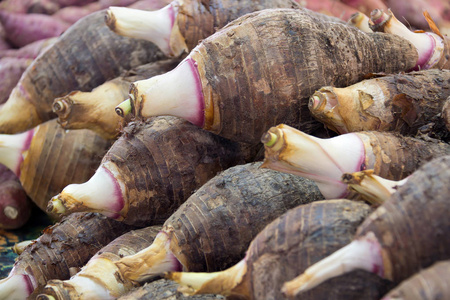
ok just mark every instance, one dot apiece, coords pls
pixel 224 149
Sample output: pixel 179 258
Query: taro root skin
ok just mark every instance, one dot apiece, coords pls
pixel 390 155
pixel 262 84
pixel 225 213
pixel 400 102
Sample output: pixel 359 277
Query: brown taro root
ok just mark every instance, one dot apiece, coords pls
pixel 101 270
pixel 390 155
pixel 15 207
pixel 284 249
pixel 151 170
pixel 48 158
pixel 95 109
pixel 430 283
pixel 179 26
pixel 261 69
pixel 432 47
pixel 61 248
pixel 400 102
pixel 446 113
pixel 163 289
pixel 213 228
pixel 402 236
pixel 85 56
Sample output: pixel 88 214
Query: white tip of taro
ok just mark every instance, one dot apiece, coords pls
pixel 13 148
pixel 363 253
pixel 15 287
pixel 154 26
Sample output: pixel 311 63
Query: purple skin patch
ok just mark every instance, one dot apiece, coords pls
pixel 198 120
pixel 425 57
pixel 29 284
pixel 117 205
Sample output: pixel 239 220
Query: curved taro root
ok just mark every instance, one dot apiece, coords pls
pixel 270 62
pixel 432 47
pixel 48 158
pixel 400 102
pixel 390 155
pixel 66 245
pixel 15 207
pixel 151 170
pixel 179 26
pixel 213 228
pixel 285 248
pixel 85 56
pixel 402 236
pixel 95 110
pixel 430 283
pixel 100 270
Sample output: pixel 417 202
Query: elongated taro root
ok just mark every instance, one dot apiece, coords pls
pixel 101 270
pixel 66 245
pixel 179 26
pixel 85 56
pixel 372 188
pixel 261 69
pixel 95 110
pixel 213 228
pixel 15 207
pixel 285 248
pixel 48 158
pixel 151 170
pixel 432 47
pixel 430 283
pixel 407 233
pixel 399 102
pixel 390 155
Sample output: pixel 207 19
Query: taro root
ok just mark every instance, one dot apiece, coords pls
pixel 404 235
pixel 151 170
pixel 95 109
pixel 285 248
pixel 65 246
pixel 430 283
pixel 101 270
pixel 48 158
pixel 213 228
pixel 179 26
pixel 390 155
pixel 83 57
pixel 260 70
pixel 401 102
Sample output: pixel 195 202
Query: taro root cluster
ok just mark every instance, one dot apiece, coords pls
pixel 226 149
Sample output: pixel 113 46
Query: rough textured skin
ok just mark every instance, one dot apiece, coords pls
pixel 395 157
pixel 127 244
pixel 213 229
pixel 429 284
pixel 85 56
pixel 412 226
pixel 260 70
pixel 67 244
pixel 57 158
pixel 400 102
pixel 95 110
pixel 163 161
pixel 163 290
pixel 300 238
pixel 198 19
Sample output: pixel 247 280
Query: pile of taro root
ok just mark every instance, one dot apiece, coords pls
pixel 226 149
